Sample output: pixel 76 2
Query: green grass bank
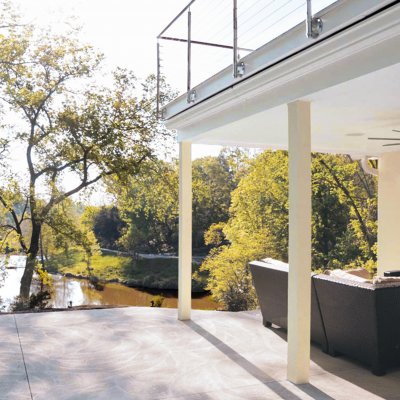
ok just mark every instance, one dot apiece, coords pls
pixel 152 273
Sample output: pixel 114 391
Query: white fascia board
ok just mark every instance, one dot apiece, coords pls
pixel 359 50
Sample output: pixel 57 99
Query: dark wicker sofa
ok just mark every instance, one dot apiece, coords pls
pixel 271 284
pixel 360 320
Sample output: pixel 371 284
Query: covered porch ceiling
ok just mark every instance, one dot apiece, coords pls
pixel 343 117
pixel 351 79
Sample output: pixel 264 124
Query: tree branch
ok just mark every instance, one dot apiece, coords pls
pixel 360 219
pixel 9 227
pixel 57 200
pixel 17 226
pixel 4 239
pixel 24 211
pixel 56 170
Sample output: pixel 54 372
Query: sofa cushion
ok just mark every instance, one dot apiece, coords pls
pixel 389 281
pixel 361 272
pixel 351 275
pixel 274 262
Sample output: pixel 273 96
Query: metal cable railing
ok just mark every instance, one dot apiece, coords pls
pixel 206 37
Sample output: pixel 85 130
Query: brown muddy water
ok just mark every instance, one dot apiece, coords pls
pixel 81 292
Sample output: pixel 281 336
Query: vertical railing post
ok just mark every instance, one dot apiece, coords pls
pixel 235 40
pixel 309 18
pixel 189 52
pixel 158 79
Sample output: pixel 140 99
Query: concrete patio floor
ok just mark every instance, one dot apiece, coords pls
pixel 145 353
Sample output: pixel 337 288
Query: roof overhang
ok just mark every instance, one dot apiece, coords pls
pixel 350 76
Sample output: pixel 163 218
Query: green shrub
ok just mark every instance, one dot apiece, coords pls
pixel 157 301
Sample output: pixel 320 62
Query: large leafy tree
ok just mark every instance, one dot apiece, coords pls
pixel 149 203
pixel 107 226
pixel 344 223
pixel 67 125
pixel 214 178
pixel 356 194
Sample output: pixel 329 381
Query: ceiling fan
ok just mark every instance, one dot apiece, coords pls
pixel 388 144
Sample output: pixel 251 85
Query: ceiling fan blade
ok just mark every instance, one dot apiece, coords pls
pixel 395 130
pixel 391 144
pixel 380 138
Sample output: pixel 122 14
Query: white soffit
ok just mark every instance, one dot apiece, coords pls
pixel 343 117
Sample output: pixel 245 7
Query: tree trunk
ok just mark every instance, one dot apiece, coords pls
pixel 363 226
pixel 33 251
pixel 41 252
pixel 26 279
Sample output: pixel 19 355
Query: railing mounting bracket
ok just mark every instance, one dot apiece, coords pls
pixel 240 69
pixel 192 96
pixel 316 27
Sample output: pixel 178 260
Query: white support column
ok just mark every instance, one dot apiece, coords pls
pixel 185 231
pixel 388 212
pixel 299 301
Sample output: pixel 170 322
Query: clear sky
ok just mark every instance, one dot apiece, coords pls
pixel 124 30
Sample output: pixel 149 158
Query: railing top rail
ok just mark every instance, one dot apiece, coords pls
pixel 171 23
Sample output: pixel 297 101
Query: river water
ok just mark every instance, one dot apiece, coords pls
pixel 81 292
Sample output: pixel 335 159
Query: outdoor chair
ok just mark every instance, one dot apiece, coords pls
pixel 354 318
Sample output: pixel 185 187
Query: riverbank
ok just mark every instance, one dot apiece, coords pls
pixel 79 294
pixel 67 291
pixel 151 273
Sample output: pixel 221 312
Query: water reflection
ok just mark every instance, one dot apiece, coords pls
pixel 11 270
pixel 81 292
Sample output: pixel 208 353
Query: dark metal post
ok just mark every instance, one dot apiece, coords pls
pixel 235 40
pixel 158 79
pixel 309 18
pixel 189 51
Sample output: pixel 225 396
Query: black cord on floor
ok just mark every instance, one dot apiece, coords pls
pixel 23 358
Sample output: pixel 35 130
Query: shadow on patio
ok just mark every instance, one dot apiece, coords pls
pixel 145 353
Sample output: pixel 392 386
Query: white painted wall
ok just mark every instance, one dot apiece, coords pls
pixel 389 212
